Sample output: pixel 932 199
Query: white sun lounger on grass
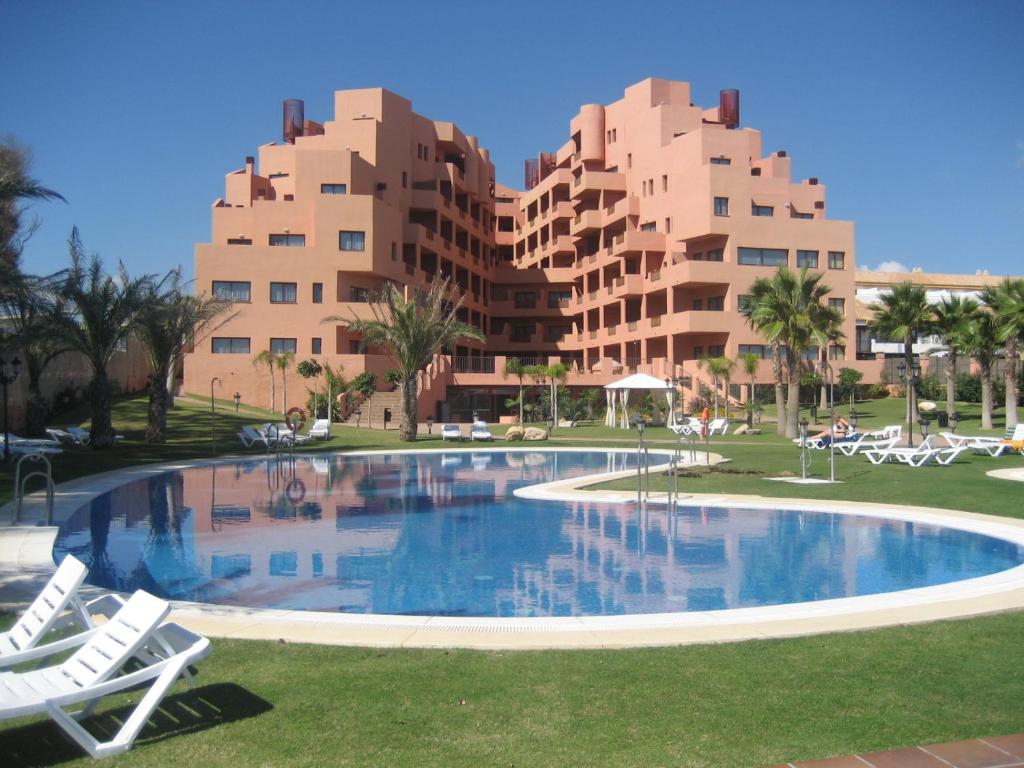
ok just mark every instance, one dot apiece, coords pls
pixel 479 431
pixel 58 606
pixel 993 446
pixel 91 673
pixel 451 432
pixel 925 453
pixel 853 447
pixel 321 429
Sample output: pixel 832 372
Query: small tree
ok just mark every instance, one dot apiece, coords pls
pixel 311 369
pixel 720 369
pixel 168 321
pixel 101 312
pixel 413 327
pixel 514 367
pixel 283 362
pixel 266 358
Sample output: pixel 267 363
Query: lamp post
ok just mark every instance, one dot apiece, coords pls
pixel 8 376
pixel 803 447
pixel 924 422
pixel 642 465
pixel 213 414
pixel 238 399
pixel 830 381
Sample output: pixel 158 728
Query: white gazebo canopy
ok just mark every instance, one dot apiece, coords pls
pixel 617 395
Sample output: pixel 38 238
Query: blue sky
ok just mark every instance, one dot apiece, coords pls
pixel 911 112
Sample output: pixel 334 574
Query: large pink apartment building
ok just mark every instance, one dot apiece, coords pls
pixel 630 249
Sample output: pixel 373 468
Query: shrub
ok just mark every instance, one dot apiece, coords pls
pixel 878 391
pixel 393 376
pixel 847 382
pixel 930 388
pixel 365 383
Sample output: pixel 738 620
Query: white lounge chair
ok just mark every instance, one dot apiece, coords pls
pixel 91 673
pixel 83 435
pixel 852 448
pixel 451 432
pixel 250 437
pixel 20 445
pixel 321 429
pixel 56 607
pixel 926 453
pixel 479 431
pixel 64 437
pixel 993 446
pixel 686 427
pixel 721 426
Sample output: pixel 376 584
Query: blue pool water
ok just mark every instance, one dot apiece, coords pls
pixel 441 534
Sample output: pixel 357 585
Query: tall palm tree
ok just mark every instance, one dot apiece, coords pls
pixel 557 373
pixel 412 325
pixel 980 340
pixel 266 358
pixel 953 317
pixel 904 314
pixel 169 321
pixel 833 334
pixel 514 367
pixel 101 312
pixel 1007 302
pixel 791 312
pixel 749 362
pixel 30 305
pixel 720 369
pixel 761 292
pixel 16 186
pixel 283 361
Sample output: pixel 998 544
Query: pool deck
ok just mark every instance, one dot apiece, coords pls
pixel 26 563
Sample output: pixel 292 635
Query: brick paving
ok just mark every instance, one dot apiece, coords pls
pixel 993 752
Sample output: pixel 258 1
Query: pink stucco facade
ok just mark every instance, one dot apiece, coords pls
pixel 629 251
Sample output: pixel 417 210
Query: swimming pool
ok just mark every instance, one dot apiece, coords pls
pixel 442 534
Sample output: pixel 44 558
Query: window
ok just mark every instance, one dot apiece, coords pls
pixel 629 160
pixel 405 179
pixel 239 241
pixel 649 226
pixel 716 303
pixel 795 214
pixel 668 226
pixel 837 352
pixel 228 290
pixel 525 299
pixel 230 346
pixel 716 350
pixel 295 241
pixel 351 241
pixel 334 189
pixel 837 260
pixel 282 346
pixel 763 257
pixel 807 259
pixel 359 295
pixel 810 354
pixel 714 254
pixel 721 161
pixel 698 352
pixel 353 348
pixel 839 305
pixel 743 302
pixel 317 344
pixel 278 176
pixel 318 293
pixel 506 224
pixel 664 182
pixel 697 305
pixel 761 210
pixel 282 293
pixel 761 350
pixel 721 206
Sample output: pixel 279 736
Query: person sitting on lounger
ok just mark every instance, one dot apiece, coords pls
pixel 841 430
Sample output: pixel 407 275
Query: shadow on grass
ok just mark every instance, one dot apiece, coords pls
pixel 43 743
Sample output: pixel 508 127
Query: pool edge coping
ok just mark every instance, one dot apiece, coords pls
pixel 998 592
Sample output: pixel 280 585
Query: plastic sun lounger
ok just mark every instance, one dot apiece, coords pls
pixel 852 448
pixel 451 432
pixel 57 606
pixel 321 429
pixel 479 431
pixel 993 446
pixel 914 457
pixel 250 437
pixel 92 673
pixel 64 437
pixel 720 426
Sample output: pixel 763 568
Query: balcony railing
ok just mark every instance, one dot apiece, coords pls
pixel 464 364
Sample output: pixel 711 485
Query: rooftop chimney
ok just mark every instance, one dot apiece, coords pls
pixel 729 107
pixel 294 116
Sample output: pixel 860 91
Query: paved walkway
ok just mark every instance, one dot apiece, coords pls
pixel 994 752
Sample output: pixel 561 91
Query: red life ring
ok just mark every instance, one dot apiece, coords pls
pixel 301 420
pixel 295 491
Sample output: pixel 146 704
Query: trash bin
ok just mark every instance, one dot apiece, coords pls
pixel 943 418
pixel 387 417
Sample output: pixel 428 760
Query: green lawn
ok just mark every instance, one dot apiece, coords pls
pixel 742 704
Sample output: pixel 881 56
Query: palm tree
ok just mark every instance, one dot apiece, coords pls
pixel 833 335
pixel 904 314
pixel 15 186
pixel 412 325
pixel 761 292
pixel 980 340
pixel 30 304
pixel 557 373
pixel 720 369
pixel 101 313
pixel 953 317
pixel 514 367
pixel 789 311
pixel 283 361
pixel 266 357
pixel 1007 302
pixel 169 321
pixel 749 362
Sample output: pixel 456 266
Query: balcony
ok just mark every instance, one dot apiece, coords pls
pixel 627 206
pixel 591 182
pixel 627 285
pixel 586 222
pixel 635 241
